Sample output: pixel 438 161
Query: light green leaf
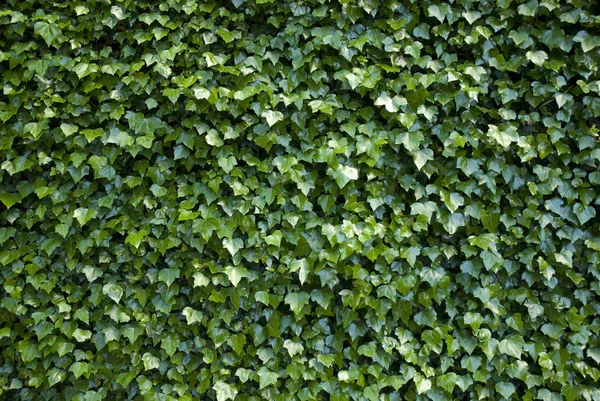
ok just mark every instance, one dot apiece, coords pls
pixel 236 273
pixel 83 69
pixel 79 369
pixel 266 378
pixel 506 389
pixel 343 174
pixel 391 104
pixel 512 346
pixel 439 11
pixel 233 245
pixel 224 391
pixel 150 361
pixel 68 129
pixel 421 157
pixel 537 57
pixel 274 238
pixel 272 117
pixel 9 199
pixel 297 301
pixel 114 291
pixel 135 238
pixel 84 215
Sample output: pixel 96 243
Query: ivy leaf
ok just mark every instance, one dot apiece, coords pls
pixel 439 11
pixel 9 199
pixel 169 344
pixel 587 41
pixel 83 69
pixel 392 105
pixel 135 238
pixel 452 200
pixel 343 174
pixel 506 389
pixel 28 351
pixel 537 57
pixel 421 157
pixel 236 273
pixel 571 392
pixel 168 276
pixel 274 238
pixel 48 31
pixel 114 291
pixel 266 378
pixel 512 346
pixel 233 245
pixel 224 391
pixel 150 361
pixel 68 129
pixel 84 215
pixel 297 301
pixel 272 117
pixel 79 369
pixel 55 376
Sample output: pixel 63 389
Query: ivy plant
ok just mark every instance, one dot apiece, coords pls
pixel 357 200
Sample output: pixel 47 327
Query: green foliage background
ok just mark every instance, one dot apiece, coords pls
pixel 299 200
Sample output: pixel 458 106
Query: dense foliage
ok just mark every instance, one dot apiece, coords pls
pixel 299 200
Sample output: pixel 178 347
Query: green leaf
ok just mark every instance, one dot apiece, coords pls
pixel 423 384
pixel 227 163
pixel 224 391
pixel 114 291
pixel 421 157
pixel 371 392
pixel 297 301
pixel 452 200
pixel 233 245
pixel 274 238
pixel 236 273
pixel 55 376
pixel 84 215
pixel 587 41
pixel 79 369
pixel 135 238
pixel 512 346
pixel 170 344
pixel 528 9
pixel 237 342
pixel 272 117
pixel 506 389
pixel 9 199
pixel 571 392
pixel 343 174
pixel 168 276
pixel 266 378
pixel 439 11
pixel 285 163
pixel 392 105
pixel 48 31
pixel 28 351
pixel 537 57
pixel 150 361
pixel 68 129
pixel 411 140
pixel 83 69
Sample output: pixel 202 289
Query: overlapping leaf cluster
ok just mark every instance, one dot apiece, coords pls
pixel 299 200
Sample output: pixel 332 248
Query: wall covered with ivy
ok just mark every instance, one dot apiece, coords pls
pixel 299 200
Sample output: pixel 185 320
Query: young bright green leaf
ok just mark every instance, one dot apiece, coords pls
pixel 343 174
pixel 224 391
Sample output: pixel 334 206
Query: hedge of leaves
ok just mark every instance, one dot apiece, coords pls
pixel 299 200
